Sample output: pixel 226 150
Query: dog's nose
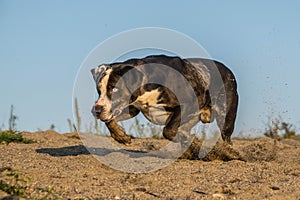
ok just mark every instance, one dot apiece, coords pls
pixel 97 109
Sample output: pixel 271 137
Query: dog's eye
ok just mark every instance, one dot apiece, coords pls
pixel 115 90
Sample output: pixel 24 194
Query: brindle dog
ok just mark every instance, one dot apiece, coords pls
pixel 170 91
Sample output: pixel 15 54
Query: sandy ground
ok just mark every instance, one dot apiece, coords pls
pixel 59 166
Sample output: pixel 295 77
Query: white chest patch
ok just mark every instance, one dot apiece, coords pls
pixel 149 98
pixel 157 115
pixel 152 110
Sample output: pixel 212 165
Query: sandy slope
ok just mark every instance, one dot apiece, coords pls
pixel 58 166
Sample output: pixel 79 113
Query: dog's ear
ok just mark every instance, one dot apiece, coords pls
pixel 98 72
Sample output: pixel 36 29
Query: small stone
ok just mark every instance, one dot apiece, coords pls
pixel 275 188
pixel 219 196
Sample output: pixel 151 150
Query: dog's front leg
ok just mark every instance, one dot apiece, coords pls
pixel 178 129
pixel 171 128
pixel 117 132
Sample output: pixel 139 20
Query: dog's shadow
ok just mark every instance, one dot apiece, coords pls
pixel 82 150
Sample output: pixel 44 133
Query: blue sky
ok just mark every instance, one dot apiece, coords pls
pixel 43 43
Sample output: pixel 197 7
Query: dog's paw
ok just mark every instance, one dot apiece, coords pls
pixel 121 137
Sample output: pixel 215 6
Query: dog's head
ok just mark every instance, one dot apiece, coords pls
pixel 116 86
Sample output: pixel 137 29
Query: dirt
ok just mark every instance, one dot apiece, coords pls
pixel 60 166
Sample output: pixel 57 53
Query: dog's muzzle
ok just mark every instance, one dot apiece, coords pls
pixel 97 110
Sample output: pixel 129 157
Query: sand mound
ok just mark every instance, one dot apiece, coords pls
pixel 60 166
pixel 262 150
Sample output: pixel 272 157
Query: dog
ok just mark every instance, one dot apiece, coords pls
pixel 169 91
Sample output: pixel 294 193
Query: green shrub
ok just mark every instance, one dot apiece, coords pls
pixel 10 189
pixel 13 136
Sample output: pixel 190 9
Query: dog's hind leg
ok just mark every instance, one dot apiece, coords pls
pixel 228 126
pixel 226 115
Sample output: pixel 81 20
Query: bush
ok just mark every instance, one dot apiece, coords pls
pixel 277 128
pixel 13 136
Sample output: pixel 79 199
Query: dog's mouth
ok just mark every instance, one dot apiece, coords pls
pixel 103 116
pixel 108 116
pixel 105 119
